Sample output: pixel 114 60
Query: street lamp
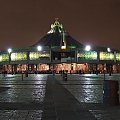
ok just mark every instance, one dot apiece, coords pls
pixel 111 57
pixel 39 48
pixel 108 49
pixel 9 50
pixel 87 48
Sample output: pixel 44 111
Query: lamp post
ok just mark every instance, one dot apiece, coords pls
pixel 87 48
pixel 108 49
pixel 110 66
pixel 9 52
pixel 39 48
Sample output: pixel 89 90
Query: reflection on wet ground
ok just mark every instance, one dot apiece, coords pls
pixel 30 89
pixel 88 89
pixel 85 88
pixel 22 98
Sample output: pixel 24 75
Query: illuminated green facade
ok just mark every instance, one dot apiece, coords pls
pixel 58 47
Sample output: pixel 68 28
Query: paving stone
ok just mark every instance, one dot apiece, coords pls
pixel 79 98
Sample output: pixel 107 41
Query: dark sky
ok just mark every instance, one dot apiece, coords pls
pixel 94 22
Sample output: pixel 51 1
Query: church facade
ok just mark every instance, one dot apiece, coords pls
pixel 58 51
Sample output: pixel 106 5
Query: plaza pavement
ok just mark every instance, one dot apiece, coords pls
pixel 88 90
pixel 48 97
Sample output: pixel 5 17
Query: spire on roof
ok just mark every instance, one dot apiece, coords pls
pixel 56 27
pixel 63 41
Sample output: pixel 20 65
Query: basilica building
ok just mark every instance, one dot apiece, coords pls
pixel 58 51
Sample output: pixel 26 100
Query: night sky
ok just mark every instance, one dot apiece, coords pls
pixel 94 22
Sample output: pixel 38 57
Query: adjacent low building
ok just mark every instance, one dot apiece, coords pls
pixel 58 51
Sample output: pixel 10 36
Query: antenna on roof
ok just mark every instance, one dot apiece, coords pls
pixel 63 45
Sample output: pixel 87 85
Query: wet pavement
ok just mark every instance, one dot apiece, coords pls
pixel 22 99
pixel 85 89
pixel 28 98
pixel 88 90
pixel 60 104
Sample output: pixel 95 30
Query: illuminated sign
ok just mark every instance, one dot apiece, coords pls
pixel 18 56
pixel 106 56
pixel 118 56
pixel 38 55
pixel 4 57
pixel 87 55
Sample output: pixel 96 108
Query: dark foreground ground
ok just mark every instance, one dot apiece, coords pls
pixel 48 97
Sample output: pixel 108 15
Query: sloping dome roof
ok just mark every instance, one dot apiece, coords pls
pixel 55 36
pixel 54 39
